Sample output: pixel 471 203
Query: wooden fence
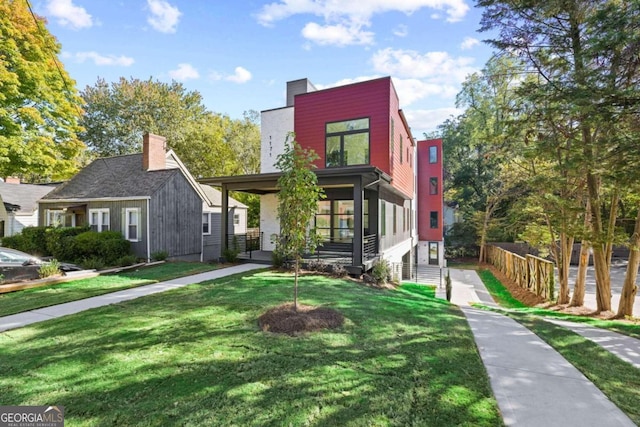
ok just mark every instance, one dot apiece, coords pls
pixel 529 272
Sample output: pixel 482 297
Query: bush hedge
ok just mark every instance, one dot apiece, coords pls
pixel 72 244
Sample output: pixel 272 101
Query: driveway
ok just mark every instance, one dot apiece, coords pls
pixel 618 272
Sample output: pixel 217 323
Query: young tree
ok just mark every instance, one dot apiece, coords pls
pixel 39 104
pixel 298 203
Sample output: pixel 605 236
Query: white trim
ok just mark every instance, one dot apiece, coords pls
pixel 127 224
pixel 100 199
pixel 208 214
pixel 100 224
pixel 148 234
pixel 190 178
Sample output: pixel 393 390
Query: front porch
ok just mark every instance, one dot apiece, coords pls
pixel 329 252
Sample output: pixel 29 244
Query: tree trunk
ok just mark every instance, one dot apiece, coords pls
pixel 577 299
pixel 566 246
pixel 295 286
pixel 600 253
pixel 629 288
pixel 483 233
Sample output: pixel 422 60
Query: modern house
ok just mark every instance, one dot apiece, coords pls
pixel 151 198
pixel 19 205
pixel 367 165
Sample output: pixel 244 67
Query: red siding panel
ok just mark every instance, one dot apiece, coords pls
pixel 375 99
pixel 427 202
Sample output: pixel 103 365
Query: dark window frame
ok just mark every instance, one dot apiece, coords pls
pixel 341 135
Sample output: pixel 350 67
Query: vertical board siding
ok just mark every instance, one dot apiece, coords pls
pixel 402 234
pixel 176 219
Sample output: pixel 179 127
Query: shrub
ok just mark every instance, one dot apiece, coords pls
pixel 49 269
pixel 159 255
pixel 278 259
pixel 126 260
pixel 60 242
pixel 230 254
pixel 13 242
pixel 34 240
pixel 317 265
pixel 448 285
pixel 92 263
pixel 109 246
pixel 381 271
pixel 338 270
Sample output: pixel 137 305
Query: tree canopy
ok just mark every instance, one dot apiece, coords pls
pixel 39 104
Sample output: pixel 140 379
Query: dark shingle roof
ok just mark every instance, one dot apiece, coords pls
pixel 24 195
pixel 111 177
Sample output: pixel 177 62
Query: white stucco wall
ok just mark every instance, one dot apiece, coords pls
pixel 269 223
pixel 423 253
pixel 275 125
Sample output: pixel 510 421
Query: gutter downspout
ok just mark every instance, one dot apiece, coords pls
pixel 148 234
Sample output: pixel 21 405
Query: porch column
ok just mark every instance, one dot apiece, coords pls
pixel 357 221
pixel 224 219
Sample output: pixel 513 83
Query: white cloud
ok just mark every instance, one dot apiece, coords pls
pixel 164 17
pixel 103 60
pixel 338 35
pixel 69 15
pixel 357 11
pixel 422 121
pixel 241 75
pixel 184 72
pixel 343 21
pixel 436 66
pixel 468 43
pixel 412 90
pixel 401 31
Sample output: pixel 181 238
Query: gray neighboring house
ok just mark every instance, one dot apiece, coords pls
pixel 19 205
pixel 151 198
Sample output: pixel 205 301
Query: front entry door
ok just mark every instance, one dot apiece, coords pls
pixel 433 253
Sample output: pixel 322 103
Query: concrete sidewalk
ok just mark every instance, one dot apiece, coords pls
pixel 533 384
pixel 38 315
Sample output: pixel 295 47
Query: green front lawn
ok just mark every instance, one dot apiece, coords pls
pixel 30 299
pixel 195 356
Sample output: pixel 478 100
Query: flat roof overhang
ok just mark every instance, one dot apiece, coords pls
pixel 266 183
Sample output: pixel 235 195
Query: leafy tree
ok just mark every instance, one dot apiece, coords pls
pixel 297 204
pixel 39 105
pixel 584 57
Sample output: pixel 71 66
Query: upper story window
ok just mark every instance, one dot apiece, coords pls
pixel 433 154
pixel 433 185
pixel 99 219
pixel 347 143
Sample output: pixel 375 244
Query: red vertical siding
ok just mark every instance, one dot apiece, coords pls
pixel 375 99
pixel 427 202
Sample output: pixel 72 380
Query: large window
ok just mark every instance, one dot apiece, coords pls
pixel 132 224
pixel 347 143
pixel 99 219
pixel 335 219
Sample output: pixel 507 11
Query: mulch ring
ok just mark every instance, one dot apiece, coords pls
pixel 283 319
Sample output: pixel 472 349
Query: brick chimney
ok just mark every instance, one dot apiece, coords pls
pixel 153 152
pixel 12 180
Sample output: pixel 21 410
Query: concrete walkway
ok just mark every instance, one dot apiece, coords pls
pixel 46 313
pixel 533 384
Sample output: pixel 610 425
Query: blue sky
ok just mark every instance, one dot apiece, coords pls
pixel 240 54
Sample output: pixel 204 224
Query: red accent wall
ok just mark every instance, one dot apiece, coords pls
pixel 375 99
pixel 427 202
